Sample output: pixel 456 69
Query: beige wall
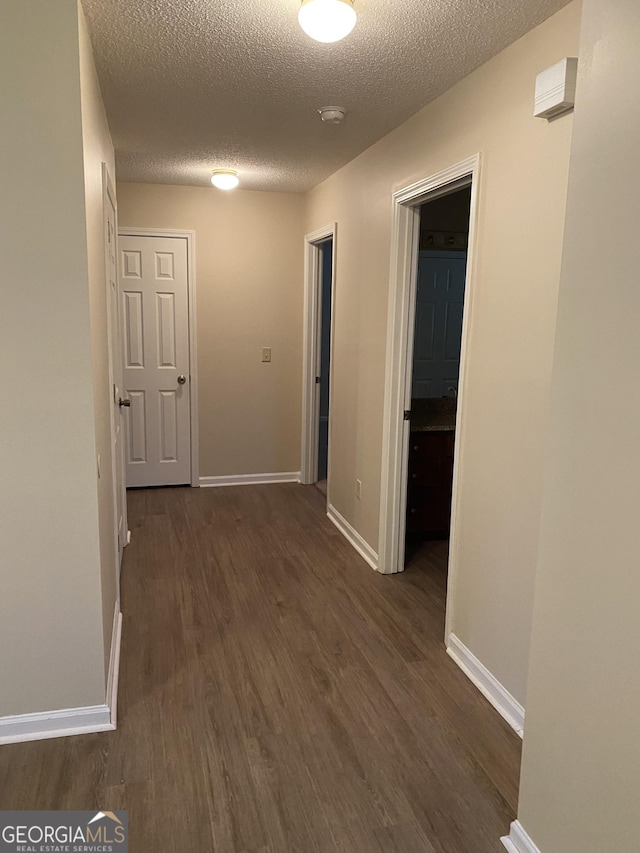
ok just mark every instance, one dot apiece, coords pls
pixel 520 224
pixel 98 148
pixel 249 295
pixel 51 644
pixel 580 774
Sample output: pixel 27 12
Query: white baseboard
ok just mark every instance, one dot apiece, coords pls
pixel 48 724
pixel 71 721
pixel 518 840
pixel 487 684
pixel 114 665
pixel 353 537
pixel 250 479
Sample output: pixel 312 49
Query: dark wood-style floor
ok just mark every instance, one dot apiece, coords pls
pixel 277 695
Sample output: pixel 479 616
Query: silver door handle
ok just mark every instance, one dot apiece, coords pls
pixel 182 379
pixel 125 403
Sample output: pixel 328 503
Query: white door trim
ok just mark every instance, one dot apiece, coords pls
pixel 190 237
pixel 311 352
pixel 402 297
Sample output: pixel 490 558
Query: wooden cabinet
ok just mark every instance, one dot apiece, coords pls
pixel 430 481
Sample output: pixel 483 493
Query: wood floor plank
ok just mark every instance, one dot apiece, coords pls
pixel 278 696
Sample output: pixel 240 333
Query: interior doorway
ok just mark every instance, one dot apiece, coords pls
pixel 399 391
pixel 324 336
pixel 320 250
pixel 435 368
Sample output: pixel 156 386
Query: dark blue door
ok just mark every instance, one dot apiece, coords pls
pixel 326 250
pixel 438 326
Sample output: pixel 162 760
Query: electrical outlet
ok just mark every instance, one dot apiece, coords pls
pixel 266 354
pixel 358 488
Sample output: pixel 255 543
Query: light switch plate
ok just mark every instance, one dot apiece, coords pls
pixel 266 354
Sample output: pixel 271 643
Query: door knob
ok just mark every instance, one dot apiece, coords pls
pixel 125 403
pixel 182 379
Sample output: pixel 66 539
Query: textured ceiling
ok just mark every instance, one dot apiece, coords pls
pixel 193 85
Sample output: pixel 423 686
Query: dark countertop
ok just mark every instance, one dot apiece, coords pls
pixel 433 414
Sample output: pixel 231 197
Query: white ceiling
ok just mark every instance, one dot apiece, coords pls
pixel 193 85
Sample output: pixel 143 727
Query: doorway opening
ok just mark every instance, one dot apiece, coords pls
pixel 318 325
pixel 324 336
pixel 435 367
pixel 399 376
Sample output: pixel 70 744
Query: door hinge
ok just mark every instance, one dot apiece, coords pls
pixel 407 414
pixel 317 380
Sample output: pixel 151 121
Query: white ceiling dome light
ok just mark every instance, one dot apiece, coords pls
pixel 327 20
pixel 332 115
pixel 225 179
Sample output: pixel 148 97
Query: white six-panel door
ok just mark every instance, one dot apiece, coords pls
pixel 155 323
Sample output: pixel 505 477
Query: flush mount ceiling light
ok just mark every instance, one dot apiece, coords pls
pixel 225 179
pixel 327 20
pixel 332 115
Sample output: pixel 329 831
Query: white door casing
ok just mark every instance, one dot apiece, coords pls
pixel 311 353
pixel 156 359
pixel 400 326
pixel 115 369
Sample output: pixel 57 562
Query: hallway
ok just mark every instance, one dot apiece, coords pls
pixel 277 695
